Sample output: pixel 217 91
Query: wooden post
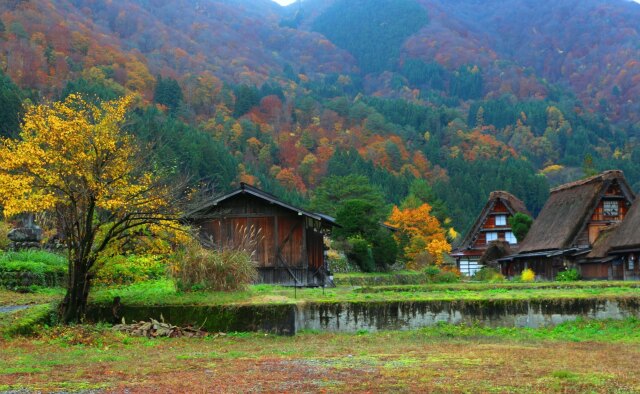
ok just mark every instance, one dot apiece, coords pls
pixel 275 243
pixel 305 253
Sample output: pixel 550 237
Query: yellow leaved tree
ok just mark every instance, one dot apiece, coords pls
pixel 73 159
pixel 420 235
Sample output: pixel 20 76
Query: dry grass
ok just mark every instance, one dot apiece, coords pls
pixel 219 267
pixel 405 362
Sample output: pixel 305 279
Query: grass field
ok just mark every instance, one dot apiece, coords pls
pixel 576 357
pixel 164 292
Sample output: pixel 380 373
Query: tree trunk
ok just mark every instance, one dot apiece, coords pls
pixel 74 305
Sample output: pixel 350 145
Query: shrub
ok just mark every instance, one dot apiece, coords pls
pixel 420 260
pixel 436 274
pixel 432 271
pixel 528 275
pixel 488 274
pixel 200 268
pixel 359 252
pixel 121 270
pixel 385 249
pixel 447 277
pixel 338 262
pixel 568 275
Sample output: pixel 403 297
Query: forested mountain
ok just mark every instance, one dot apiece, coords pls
pixel 455 98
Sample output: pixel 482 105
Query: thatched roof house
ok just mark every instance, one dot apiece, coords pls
pixel 570 223
pixel 491 225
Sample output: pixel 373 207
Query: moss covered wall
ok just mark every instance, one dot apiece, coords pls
pixel 374 316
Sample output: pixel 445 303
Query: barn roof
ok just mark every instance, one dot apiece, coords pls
pixel 627 236
pixel 245 189
pixel 513 204
pixel 567 211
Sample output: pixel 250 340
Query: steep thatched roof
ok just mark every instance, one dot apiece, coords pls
pixel 513 204
pixel 495 251
pixel 568 210
pixel 627 236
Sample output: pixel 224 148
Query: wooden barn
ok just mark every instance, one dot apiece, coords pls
pixel 569 225
pixel 289 241
pixel 491 225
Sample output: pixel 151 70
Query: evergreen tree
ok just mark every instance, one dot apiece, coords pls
pixel 168 93
pixel 336 190
pixel 11 109
pixel 520 224
pixel 247 97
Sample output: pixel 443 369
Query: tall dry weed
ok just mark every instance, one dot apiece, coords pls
pixel 228 265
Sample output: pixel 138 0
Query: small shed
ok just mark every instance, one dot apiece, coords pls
pixel 289 241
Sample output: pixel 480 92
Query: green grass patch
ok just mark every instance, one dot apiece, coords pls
pixel 35 295
pixel 26 321
pixel 501 286
pixel 164 292
pixel 47 258
pixel 21 270
pixel 580 330
pixel 380 278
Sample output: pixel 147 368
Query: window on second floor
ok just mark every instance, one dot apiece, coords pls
pixel 501 220
pixel 611 208
pixel 492 236
pixel 509 237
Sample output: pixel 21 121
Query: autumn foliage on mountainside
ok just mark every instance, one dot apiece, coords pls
pixel 247 91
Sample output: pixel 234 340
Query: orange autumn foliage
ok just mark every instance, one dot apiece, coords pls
pixel 419 234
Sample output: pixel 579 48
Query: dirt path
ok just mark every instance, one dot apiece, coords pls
pixel 13 308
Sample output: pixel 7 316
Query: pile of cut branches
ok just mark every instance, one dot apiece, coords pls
pixel 155 329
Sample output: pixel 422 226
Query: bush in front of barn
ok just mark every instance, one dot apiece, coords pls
pixel 528 275
pixel 569 275
pixel 123 270
pixel 200 268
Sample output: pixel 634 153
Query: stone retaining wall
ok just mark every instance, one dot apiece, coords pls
pixel 288 319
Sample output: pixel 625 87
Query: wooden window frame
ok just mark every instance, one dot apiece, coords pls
pixel 608 213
